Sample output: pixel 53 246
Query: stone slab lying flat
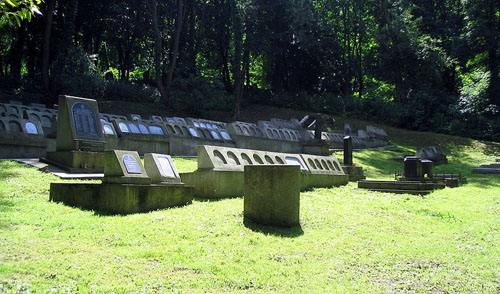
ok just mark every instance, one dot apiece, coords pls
pixel 120 198
pixel 35 162
pixel 486 170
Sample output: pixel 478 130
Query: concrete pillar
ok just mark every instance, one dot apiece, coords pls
pixel 348 150
pixel 272 194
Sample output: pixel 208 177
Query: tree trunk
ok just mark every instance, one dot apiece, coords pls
pixel 397 56
pixel 180 17
pixel 46 45
pixel 158 54
pixel 237 74
pixel 16 52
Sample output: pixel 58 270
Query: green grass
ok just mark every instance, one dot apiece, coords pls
pixel 350 240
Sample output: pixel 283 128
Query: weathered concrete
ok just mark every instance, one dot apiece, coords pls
pixel 220 170
pixel 161 169
pixel 124 167
pixel 120 198
pixel 76 161
pixel 272 194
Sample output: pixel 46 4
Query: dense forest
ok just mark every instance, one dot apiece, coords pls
pixel 417 64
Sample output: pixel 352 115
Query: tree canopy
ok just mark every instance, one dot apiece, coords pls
pixel 428 65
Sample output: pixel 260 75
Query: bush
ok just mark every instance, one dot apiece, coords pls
pixel 198 94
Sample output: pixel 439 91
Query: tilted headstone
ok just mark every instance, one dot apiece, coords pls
pixel 161 169
pixel 124 167
pixel 433 153
pixel 78 126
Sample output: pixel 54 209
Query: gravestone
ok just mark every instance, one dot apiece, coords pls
pixel 433 153
pixel 319 126
pixel 413 167
pixel 347 129
pixel 124 167
pixel 161 169
pixel 80 141
pixel 272 194
pixel 348 150
pixel 428 168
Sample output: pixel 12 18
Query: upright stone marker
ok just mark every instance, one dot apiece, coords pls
pixel 413 167
pixel 348 150
pixel 80 141
pixel 272 194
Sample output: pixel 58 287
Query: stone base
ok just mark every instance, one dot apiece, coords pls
pixel 272 194
pixel 487 169
pixel 316 148
pixel 222 184
pixel 80 162
pixel 215 184
pixel 120 198
pixel 308 181
pixel 355 173
pixel 410 187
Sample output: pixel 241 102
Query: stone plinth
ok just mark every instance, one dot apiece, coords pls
pixel 272 194
pixel 120 198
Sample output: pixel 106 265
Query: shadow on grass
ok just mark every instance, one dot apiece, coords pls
pixel 199 199
pixel 291 232
pixel 7 170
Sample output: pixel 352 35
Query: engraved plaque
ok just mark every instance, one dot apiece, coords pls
pixel 85 121
pixel 196 124
pixel 294 161
pixel 131 165
pixel 194 133
pixel 225 135
pixel 156 130
pixel 31 128
pixel 108 130
pixel 143 129
pixel 123 127
pixel 215 135
pixel 166 169
pixel 203 125
pixel 134 129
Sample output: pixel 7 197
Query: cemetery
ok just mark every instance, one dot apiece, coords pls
pixel 249 146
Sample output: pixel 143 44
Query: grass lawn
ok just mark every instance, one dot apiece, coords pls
pixel 350 240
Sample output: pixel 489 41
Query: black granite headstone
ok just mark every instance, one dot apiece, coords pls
pixel 85 123
pixel 413 167
pixel 428 168
pixel 348 150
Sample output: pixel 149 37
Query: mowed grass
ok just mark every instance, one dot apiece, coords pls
pixel 349 240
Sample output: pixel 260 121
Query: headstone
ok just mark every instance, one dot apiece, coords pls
pixel 348 150
pixel 363 134
pixel 107 129
pixel 156 130
pixel 428 168
pixel 78 126
pixel 272 194
pixel 135 117
pixel 433 153
pixel 161 169
pixel 347 129
pixel 318 128
pixel 124 167
pixel 413 167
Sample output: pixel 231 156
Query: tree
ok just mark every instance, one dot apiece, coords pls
pixel 20 9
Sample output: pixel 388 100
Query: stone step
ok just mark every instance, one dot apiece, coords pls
pixel 400 185
pixel 486 170
pixel 397 191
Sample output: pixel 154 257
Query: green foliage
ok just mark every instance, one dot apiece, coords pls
pixel 198 94
pixel 20 9
pixel 129 91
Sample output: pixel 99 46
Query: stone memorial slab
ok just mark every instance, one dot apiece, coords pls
pixel 124 167
pixel 156 130
pixel 78 125
pixel 161 169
